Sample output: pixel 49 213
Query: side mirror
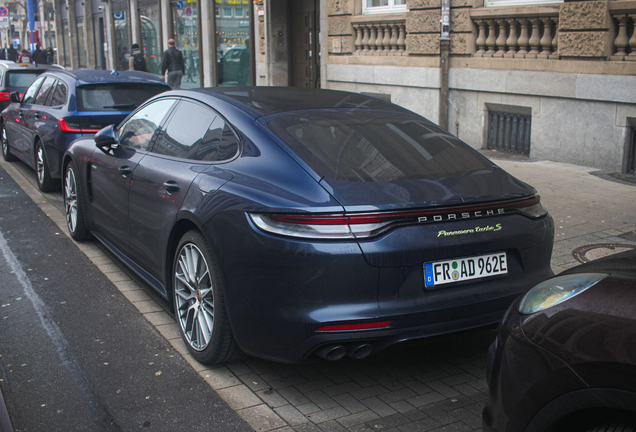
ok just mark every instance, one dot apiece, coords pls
pixel 107 139
pixel 14 97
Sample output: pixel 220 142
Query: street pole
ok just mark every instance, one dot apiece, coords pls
pixel 32 8
pixel 444 60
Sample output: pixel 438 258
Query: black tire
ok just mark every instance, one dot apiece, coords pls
pixel 45 182
pixel 6 151
pixel 74 204
pixel 200 306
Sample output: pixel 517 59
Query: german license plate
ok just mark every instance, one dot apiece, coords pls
pixel 461 269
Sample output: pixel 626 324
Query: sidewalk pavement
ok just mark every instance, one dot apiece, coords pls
pixel 433 385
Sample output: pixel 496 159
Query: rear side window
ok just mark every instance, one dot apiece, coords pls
pixel 207 137
pixel 21 78
pixel 115 97
pixel 59 95
pixel 372 145
pixel 44 91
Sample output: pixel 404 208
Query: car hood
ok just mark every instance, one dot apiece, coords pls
pixel 484 185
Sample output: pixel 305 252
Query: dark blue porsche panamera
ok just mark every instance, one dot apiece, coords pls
pixel 293 224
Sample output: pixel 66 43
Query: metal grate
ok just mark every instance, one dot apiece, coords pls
pixel 631 154
pixel 509 132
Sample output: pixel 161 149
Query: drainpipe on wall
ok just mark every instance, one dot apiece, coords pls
pixel 444 47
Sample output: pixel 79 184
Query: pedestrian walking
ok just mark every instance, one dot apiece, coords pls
pixel 12 54
pixel 137 60
pixel 25 57
pixel 39 56
pixel 173 64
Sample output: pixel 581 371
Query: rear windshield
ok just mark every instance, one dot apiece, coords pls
pixel 115 97
pixel 373 145
pixel 22 78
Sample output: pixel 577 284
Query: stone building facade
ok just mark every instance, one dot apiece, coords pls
pixel 548 80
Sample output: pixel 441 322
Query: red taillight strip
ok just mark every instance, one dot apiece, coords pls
pixel 5 96
pixel 64 127
pixel 353 327
pixel 369 218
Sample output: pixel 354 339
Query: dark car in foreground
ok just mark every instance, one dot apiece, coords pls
pixel 60 106
pixel 302 223
pixel 17 77
pixel 565 354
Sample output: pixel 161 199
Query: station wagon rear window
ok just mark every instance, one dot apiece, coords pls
pixel 364 146
pixel 22 78
pixel 115 97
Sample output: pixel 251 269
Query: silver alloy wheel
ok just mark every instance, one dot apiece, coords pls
pixel 194 297
pixel 40 164
pixel 70 200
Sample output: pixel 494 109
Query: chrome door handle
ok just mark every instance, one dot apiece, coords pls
pixel 125 170
pixel 171 186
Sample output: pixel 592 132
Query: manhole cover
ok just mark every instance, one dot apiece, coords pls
pixel 589 253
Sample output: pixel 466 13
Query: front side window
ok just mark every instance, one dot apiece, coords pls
pixel 138 131
pixel 383 6
pixel 44 91
pixel 32 91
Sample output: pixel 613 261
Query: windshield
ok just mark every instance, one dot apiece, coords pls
pixel 22 78
pixel 374 145
pixel 115 97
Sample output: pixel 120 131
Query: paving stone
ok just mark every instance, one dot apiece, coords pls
pixel 342 388
pixel 399 395
pixel 432 375
pixel 454 403
pixel 350 403
pixel 329 414
pixel 308 427
pixel 470 391
pixel 291 415
pixel 467 417
pixel 254 382
pixel 454 427
pixel 272 398
pixel 424 424
pixel 261 418
pixel 458 379
pixel 221 378
pixel 270 376
pixel 476 409
pixel 369 392
pixel 408 410
pixel 389 382
pixel 417 386
pixel 378 406
pixel 425 399
pixel 443 389
pixel 309 408
pixel 358 418
pixel 440 415
pixel 332 426
pixel 238 368
pixel 362 379
pixel 287 382
pixel 314 385
pixel 239 397
pixel 389 422
pixel 293 396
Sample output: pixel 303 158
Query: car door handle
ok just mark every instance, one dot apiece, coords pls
pixel 37 115
pixel 171 186
pixel 125 170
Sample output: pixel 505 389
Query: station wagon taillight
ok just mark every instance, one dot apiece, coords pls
pixel 69 127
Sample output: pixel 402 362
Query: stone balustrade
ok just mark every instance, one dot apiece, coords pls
pixel 624 47
pixel 380 37
pixel 530 35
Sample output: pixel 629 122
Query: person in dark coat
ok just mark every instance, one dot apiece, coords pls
pixel 12 54
pixel 173 63
pixel 50 56
pixel 39 56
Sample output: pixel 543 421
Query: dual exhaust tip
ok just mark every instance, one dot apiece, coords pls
pixel 335 352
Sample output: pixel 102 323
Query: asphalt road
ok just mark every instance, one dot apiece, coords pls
pixel 75 354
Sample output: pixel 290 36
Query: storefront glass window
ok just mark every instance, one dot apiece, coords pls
pixel 81 42
pixel 150 36
pixel 186 36
pixel 233 43
pixel 122 39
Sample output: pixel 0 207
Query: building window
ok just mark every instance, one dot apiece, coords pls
pixel 383 6
pixel 186 36
pixel 631 154
pixel 150 24
pixel 238 12
pixel 227 12
pixel 509 132
pixel 234 64
pixel 122 39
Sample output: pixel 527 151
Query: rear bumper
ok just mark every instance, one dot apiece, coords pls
pixel 279 291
